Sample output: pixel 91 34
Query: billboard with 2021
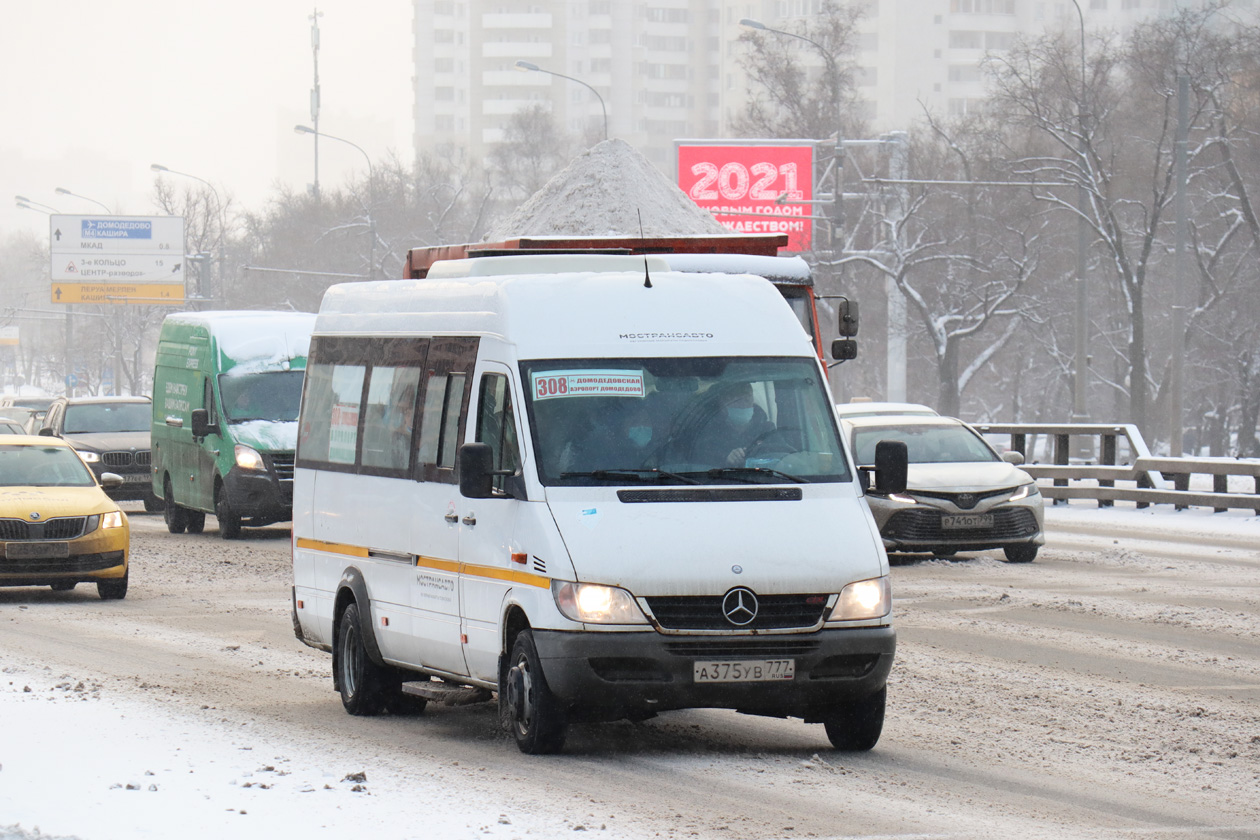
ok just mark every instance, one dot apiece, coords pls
pixel 117 259
pixel 752 188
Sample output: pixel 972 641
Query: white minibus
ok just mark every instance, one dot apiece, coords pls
pixel 592 487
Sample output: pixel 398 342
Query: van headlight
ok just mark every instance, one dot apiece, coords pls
pixel 591 603
pixel 863 599
pixel 248 459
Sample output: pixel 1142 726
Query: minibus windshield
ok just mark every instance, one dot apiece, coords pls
pixel 699 420
pixel 274 395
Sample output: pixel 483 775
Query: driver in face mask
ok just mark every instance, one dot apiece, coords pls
pixel 737 426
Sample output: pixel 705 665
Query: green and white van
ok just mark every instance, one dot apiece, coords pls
pixel 226 391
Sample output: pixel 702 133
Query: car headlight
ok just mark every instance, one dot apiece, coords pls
pixel 863 599
pixel 113 519
pixel 248 459
pixel 88 456
pixel 592 603
pixel 1024 491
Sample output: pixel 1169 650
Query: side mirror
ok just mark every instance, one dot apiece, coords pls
pixel 476 478
pixel 1013 457
pixel 201 425
pixel 848 310
pixel 892 461
pixel 47 432
pixel 843 349
pixel 111 481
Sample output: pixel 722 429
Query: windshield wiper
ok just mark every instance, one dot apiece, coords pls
pixel 645 474
pixel 733 472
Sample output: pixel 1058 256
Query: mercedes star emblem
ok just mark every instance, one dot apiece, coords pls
pixel 740 606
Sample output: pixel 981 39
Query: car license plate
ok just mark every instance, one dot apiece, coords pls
pixel 744 670
pixel 967 520
pixel 136 478
pixel 36 550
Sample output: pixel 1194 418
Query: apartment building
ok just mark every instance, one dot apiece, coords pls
pixel 659 70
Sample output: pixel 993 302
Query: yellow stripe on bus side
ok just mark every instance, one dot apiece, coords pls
pixel 468 569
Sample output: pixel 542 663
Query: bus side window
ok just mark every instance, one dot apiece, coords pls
pixel 496 424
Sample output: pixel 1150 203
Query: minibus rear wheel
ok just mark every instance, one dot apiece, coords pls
pixel 855 725
pixel 196 520
pixel 360 680
pixel 535 716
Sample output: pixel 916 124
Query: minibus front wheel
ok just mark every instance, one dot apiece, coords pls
pixel 535 716
pixel 855 725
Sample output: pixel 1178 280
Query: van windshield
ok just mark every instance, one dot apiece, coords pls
pixel 709 420
pixel 274 395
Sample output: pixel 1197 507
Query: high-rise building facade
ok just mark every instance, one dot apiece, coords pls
pixel 662 70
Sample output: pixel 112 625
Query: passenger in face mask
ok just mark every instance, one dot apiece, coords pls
pixel 738 424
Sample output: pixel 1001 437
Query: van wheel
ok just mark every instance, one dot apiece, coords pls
pixel 196 521
pixel 1025 553
pixel 112 590
pixel 534 715
pixel 176 517
pixel 63 585
pixel 361 681
pixel 855 725
pixel 229 522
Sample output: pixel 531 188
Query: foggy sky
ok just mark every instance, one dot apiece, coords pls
pixel 92 93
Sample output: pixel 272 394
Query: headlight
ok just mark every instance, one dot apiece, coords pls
pixel 863 599
pixel 1024 491
pixel 89 456
pixel 248 459
pixel 113 519
pixel 594 604
pixel 901 497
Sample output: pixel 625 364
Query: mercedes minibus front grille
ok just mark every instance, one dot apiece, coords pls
pixel 704 612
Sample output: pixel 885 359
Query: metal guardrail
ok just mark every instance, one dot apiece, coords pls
pixel 1123 456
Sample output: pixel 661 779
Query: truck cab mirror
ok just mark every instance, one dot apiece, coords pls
pixel 201 425
pixel 843 349
pixel 848 310
pixel 892 462
pixel 476 478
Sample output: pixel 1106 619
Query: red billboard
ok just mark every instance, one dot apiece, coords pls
pixel 752 189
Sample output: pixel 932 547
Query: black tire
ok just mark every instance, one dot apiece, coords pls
pixel 152 503
pixel 532 713
pixel 63 585
pixel 855 725
pixel 362 683
pixel 945 552
pixel 112 590
pixel 176 517
pixel 229 521
pixel 1025 553
pixel 196 520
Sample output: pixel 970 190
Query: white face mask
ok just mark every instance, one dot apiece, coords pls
pixel 640 435
pixel 739 416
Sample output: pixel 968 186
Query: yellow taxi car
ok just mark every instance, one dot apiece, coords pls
pixel 57 526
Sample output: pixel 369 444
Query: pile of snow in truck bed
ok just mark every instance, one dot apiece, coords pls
pixel 602 193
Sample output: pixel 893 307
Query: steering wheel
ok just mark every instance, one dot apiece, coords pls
pixel 772 442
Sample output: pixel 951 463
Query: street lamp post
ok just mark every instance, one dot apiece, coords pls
pixel 101 204
pixel 1080 378
pixel 833 68
pixel 26 204
pixel 306 129
pixel 525 66
pixel 160 169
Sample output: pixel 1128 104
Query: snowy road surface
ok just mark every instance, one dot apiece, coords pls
pixel 1110 689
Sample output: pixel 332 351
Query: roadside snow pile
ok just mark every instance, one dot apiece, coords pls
pixel 601 193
